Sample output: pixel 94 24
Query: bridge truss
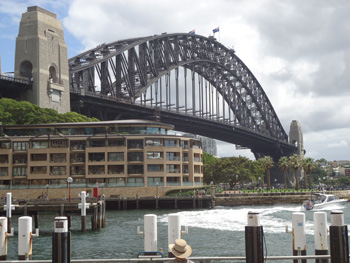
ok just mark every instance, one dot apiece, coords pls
pixel 179 78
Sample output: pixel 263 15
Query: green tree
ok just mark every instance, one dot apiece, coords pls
pixel 14 112
pixel 308 165
pixel 232 170
pixel 283 165
pixel 294 164
pixel 267 163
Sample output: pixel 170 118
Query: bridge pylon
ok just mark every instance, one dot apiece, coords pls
pixel 41 56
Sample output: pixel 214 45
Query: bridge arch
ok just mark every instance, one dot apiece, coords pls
pixel 131 70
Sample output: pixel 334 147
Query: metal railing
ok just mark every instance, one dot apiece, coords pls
pixel 195 259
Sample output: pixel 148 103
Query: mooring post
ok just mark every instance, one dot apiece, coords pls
pixel 8 207
pixel 25 241
pixel 62 210
pixel 299 235
pixel 61 241
pixel 83 206
pixel 194 199
pixel 3 238
pixel 149 232
pixel 137 201
pixel 125 203
pixel 36 220
pixel 254 237
pixel 175 204
pixel 157 200
pixel 104 213
pixel 338 236
pixel 320 235
pixel 174 230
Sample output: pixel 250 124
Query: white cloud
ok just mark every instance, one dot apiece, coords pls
pixel 340 144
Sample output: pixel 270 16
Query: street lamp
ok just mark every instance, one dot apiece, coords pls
pixel 47 192
pixel 69 180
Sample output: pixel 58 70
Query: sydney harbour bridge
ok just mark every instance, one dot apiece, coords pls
pixel 190 81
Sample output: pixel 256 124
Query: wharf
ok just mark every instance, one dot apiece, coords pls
pixel 95 209
pixel 164 202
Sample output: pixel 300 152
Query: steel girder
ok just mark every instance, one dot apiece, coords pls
pixel 127 68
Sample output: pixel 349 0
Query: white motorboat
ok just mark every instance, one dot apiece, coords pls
pixel 323 200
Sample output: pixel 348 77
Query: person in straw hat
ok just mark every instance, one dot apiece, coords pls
pixel 181 250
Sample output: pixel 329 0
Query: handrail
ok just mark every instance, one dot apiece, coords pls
pixel 195 259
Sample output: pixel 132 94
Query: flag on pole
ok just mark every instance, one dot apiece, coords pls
pixel 192 32
pixel 216 30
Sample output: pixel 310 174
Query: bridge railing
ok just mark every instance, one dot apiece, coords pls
pixel 10 77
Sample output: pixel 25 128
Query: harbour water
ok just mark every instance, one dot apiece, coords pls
pixel 212 232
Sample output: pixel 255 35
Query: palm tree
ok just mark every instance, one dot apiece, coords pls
pixel 294 163
pixel 267 163
pixel 283 165
pixel 309 165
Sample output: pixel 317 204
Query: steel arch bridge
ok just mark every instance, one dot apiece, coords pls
pixel 191 81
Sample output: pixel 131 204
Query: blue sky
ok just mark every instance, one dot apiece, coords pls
pixel 298 50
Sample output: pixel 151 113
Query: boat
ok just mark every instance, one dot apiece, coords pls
pixel 319 200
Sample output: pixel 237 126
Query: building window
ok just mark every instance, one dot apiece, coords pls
pixel 96 169
pixel 135 144
pixel 135 169
pixel 155 181
pixel 40 144
pixel 153 130
pixel 4 171
pixel 197 169
pixel 196 144
pixel 59 144
pixel 135 181
pixel 38 157
pixel 77 145
pixel 20 146
pixel 114 157
pixel 115 169
pixel 38 170
pixel 185 169
pixel 4 158
pixel 5 145
pixel 184 144
pixel 171 143
pixel 97 143
pixel 58 157
pixel 116 182
pixel 153 142
pixel 19 158
pixel 185 157
pixel 197 157
pixel 155 168
pixel 116 142
pixel 173 156
pixel 96 157
pixel 77 170
pixel 173 168
pixel 19 171
pixel 58 170
pixel 154 155
pixel 77 157
pixel 135 157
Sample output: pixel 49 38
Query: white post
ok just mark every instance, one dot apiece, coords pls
pixel 83 206
pixel 174 229
pixel 25 238
pixel 299 234
pixel 320 235
pixel 253 219
pixel 9 207
pixel 149 233
pixel 3 238
pixel 254 239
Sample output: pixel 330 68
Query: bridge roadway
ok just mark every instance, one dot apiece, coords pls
pixel 108 108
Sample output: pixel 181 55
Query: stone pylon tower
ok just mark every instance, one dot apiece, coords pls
pixel 41 55
pixel 296 138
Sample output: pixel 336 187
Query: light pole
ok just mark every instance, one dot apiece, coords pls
pixel 69 180
pixel 47 192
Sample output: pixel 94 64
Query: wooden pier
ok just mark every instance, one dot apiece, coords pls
pixel 96 210
pixel 165 202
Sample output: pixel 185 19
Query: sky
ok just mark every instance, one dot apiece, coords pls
pixel 298 50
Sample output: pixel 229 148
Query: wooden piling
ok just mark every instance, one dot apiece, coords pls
pixel 62 210
pixel 175 202
pixel 137 201
pixel 83 223
pixel 36 220
pixel 157 199
pixel 104 214
pixel 94 219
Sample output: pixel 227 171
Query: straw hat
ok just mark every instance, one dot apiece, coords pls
pixel 180 249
